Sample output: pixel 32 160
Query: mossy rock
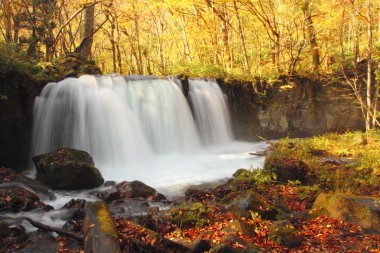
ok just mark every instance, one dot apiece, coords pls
pixel 240 173
pixel 286 168
pixel 242 227
pixel 241 204
pixel 223 248
pixel 226 246
pixel 361 210
pixel 67 169
pixel 284 233
pixel 194 215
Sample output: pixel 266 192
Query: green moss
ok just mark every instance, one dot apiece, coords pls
pixel 339 162
pixel 355 209
pixel 104 218
pixel 190 215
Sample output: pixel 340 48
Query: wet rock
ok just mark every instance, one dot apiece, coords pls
pixel 128 207
pixel 72 225
pixel 67 169
pixel 284 233
pixel 10 179
pixel 75 203
pixel 19 199
pixel 109 195
pixel 76 207
pixel 41 242
pixel 14 240
pixel 200 246
pixel 364 211
pixel 137 189
pixel 249 201
pixel 17 231
pixel 4 229
pixel 69 243
pixel 109 183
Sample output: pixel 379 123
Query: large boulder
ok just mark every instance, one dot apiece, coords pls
pixel 67 169
pixel 242 204
pixel 137 189
pixel 286 168
pixel 285 234
pixel 364 211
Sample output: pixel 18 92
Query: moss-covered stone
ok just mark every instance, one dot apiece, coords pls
pixel 284 233
pixel 249 201
pixel 223 248
pixel 67 169
pixel 286 168
pixel 361 210
pixel 188 216
pixel 241 227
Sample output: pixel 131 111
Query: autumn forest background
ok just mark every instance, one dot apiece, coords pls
pixel 237 38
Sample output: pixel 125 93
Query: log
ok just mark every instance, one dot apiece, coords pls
pixel 57 230
pixel 99 229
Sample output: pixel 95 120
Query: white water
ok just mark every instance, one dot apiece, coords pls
pixel 211 112
pixel 143 129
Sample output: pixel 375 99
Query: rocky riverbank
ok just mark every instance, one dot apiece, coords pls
pixel 318 194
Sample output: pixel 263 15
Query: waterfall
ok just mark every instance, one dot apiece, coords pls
pixel 211 112
pixel 120 120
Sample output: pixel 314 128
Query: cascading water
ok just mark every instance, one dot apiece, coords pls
pixel 87 114
pixel 211 112
pixel 143 129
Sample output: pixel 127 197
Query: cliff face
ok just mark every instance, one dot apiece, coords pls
pixel 298 107
pixel 17 93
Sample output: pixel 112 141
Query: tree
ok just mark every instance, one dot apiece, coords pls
pixel 84 49
pixel 311 35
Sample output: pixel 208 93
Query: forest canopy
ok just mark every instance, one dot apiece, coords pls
pixel 239 38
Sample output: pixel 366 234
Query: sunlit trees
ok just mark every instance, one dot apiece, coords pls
pixel 241 38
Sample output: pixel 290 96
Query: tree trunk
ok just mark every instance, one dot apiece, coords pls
pixel 185 41
pixel 7 12
pixel 113 47
pixel 242 38
pixel 312 37
pixel 375 101
pixel 369 70
pixel 99 229
pixel 226 44
pixel 88 32
pixel 118 51
pixel 137 32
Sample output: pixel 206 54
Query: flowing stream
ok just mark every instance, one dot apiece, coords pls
pixel 143 129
